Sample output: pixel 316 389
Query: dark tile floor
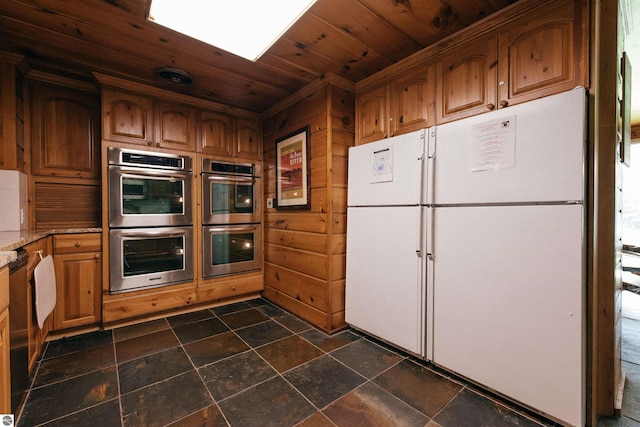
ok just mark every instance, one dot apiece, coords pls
pixel 247 364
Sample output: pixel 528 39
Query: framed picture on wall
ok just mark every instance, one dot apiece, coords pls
pixel 292 170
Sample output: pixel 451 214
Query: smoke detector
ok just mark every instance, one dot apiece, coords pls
pixel 174 76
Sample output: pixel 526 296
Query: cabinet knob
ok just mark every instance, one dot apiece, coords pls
pixel 157 144
pixel 490 106
pixel 149 143
pixel 233 288
pixel 401 119
pixel 154 302
pixel 96 256
pixel 504 103
pixel 77 244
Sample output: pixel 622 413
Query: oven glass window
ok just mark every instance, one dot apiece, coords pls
pixel 232 248
pixel 231 198
pixel 153 255
pixel 152 196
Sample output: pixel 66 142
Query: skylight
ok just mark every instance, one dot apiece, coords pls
pixel 246 28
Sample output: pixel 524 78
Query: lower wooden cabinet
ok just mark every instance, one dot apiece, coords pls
pixel 78 264
pixel 132 305
pixel 5 368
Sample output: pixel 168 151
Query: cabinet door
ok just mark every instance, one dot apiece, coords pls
pixel 466 81
pixel 65 133
pixel 541 56
pixel 216 134
pixel 413 100
pixel 248 140
pixel 127 117
pixel 175 126
pixel 78 286
pixel 373 118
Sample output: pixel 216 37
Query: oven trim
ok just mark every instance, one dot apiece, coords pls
pixel 118 283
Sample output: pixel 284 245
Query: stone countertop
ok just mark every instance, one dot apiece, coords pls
pixel 12 240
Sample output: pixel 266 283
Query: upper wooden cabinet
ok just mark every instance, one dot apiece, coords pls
pixel 412 100
pixel 508 61
pixel 216 134
pixel 402 105
pixel 65 132
pixel 372 116
pixel 541 53
pixel 222 135
pixel 248 139
pixel 175 126
pixel 127 117
pixel 466 80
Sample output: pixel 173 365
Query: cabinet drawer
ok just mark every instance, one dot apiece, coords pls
pixel 229 288
pixel 77 243
pixel 127 307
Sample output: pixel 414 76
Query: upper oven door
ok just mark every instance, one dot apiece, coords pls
pixel 229 199
pixel 143 197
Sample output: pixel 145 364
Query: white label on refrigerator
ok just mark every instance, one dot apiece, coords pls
pixel 493 144
pixel 382 165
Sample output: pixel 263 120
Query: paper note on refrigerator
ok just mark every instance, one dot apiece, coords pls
pixel 493 144
pixel 382 165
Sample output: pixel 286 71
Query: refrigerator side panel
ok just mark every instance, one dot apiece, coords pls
pixel 384 286
pixel 509 304
pixel 530 152
pixel 387 172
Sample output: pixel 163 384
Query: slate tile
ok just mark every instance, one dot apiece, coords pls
pixel 141 372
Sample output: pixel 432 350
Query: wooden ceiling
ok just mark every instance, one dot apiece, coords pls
pixel 349 38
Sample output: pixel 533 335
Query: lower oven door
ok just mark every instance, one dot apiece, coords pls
pixel 231 249
pixel 150 257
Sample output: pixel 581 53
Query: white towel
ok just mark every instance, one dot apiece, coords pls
pixel 45 277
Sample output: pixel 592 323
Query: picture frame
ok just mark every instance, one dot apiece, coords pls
pixel 292 170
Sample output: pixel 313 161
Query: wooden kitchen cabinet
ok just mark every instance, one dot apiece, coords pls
pixel 541 53
pixel 130 305
pixel 78 265
pixel 65 132
pixel 412 100
pixel 215 134
pixel 5 367
pixel 467 80
pixel 403 104
pixel 127 117
pixel 248 139
pixel 371 111
pixel 175 126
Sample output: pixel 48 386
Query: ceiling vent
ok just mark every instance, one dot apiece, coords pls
pixel 174 76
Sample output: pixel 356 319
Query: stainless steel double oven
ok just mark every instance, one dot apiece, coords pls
pixel 231 218
pixel 150 219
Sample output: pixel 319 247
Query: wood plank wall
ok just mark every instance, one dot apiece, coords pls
pixel 305 249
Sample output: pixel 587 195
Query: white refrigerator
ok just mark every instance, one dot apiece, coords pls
pixel 508 252
pixel 386 220
pixel 465 245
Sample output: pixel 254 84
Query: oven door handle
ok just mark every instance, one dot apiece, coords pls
pixel 155 174
pixel 230 178
pixel 231 229
pixel 151 233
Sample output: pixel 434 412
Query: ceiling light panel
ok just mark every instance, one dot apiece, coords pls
pixel 246 28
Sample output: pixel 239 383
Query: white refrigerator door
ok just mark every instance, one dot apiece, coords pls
pixel 526 153
pixel 509 302
pixel 384 274
pixel 387 172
